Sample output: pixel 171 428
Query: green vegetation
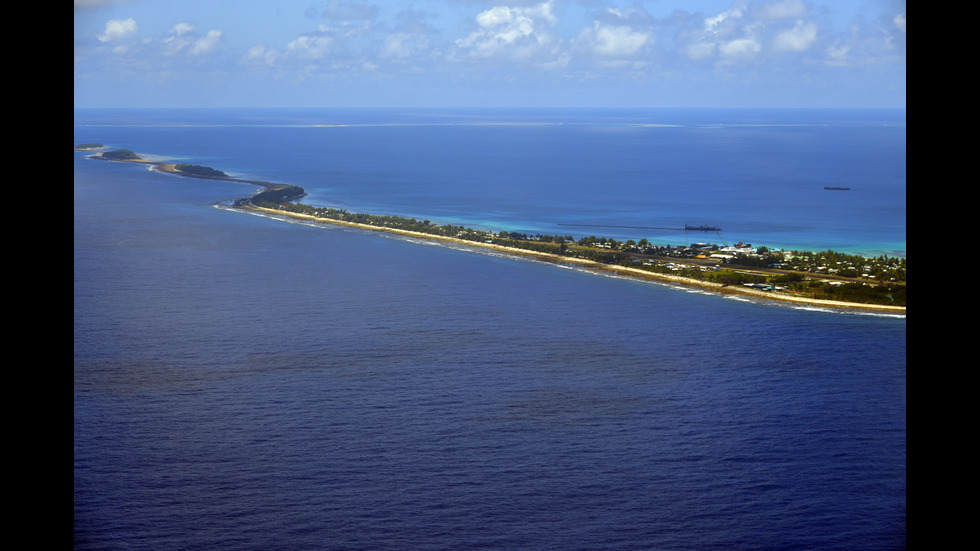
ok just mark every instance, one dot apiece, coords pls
pixel 880 268
pixel 822 275
pixel 758 270
pixel 120 155
pixel 89 146
pixel 826 275
pixel 202 171
pixel 272 198
pixel 864 293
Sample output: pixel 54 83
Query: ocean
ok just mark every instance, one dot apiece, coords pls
pixel 242 382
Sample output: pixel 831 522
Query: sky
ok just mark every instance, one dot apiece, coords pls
pixel 497 53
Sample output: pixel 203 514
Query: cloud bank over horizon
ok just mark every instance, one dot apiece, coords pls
pixel 589 53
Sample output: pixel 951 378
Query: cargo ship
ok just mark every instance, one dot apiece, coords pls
pixel 701 228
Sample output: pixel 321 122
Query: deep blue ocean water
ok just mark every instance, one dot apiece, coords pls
pixel 246 383
pixel 758 175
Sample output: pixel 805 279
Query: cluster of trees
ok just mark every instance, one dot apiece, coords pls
pixel 593 241
pixel 891 294
pixel 120 155
pixel 202 171
pixel 755 261
pixel 723 277
pixel 279 199
pixel 889 271
pixel 537 246
pixel 603 250
pixel 881 268
pixel 555 238
pixel 273 198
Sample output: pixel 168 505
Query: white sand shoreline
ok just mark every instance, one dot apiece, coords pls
pixel 635 273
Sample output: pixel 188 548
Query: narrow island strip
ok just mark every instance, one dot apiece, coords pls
pixel 741 276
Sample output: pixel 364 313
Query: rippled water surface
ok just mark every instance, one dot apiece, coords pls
pixel 246 383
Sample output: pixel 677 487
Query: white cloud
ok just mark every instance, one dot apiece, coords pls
pixel 498 15
pixel 311 47
pixel 513 32
pixel 727 35
pixel 899 21
pixel 741 48
pixel 619 41
pixel 723 21
pixel 801 37
pixel 329 42
pixel 181 29
pixel 119 29
pixel 613 41
pixel 207 43
pixel 753 39
pixel 870 43
pixel 739 34
pixel 183 38
pixel 837 55
pixel 260 55
pixel 178 39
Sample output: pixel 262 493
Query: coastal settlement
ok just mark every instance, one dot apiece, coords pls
pixel 827 278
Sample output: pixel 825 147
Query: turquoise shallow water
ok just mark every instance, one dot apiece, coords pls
pixel 245 383
pixel 758 175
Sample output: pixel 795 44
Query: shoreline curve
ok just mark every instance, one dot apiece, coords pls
pixel 633 273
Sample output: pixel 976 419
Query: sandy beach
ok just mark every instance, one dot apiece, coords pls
pixel 546 257
pixel 588 264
